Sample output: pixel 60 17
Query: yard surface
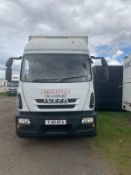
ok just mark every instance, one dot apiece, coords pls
pixel 109 153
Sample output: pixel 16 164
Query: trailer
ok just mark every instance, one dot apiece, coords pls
pixel 108 93
pixel 126 98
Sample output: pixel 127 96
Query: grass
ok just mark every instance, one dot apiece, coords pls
pixel 3 94
pixel 114 138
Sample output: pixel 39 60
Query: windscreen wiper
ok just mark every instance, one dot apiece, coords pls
pixel 55 80
pixel 68 78
pixel 45 80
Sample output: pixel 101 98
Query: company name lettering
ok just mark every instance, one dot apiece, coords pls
pixel 55 93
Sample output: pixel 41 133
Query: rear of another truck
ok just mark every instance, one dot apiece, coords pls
pixel 126 101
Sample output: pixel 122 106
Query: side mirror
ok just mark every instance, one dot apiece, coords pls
pixel 103 61
pixel 8 74
pixel 9 62
pixel 101 73
pixel 84 65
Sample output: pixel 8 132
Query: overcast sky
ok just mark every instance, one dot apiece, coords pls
pixel 107 23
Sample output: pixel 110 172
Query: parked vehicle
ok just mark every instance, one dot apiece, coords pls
pixel 126 101
pixel 11 87
pixel 108 94
pixel 56 93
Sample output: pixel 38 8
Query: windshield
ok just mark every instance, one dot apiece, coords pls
pixel 13 84
pixel 56 68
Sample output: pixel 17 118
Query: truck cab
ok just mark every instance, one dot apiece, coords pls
pixel 56 93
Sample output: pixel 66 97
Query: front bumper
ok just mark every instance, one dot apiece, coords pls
pixel 12 92
pixel 37 128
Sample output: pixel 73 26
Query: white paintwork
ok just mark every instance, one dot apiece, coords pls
pixel 126 101
pixel 81 91
pixel 56 44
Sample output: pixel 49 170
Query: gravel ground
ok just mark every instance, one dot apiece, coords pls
pixel 47 156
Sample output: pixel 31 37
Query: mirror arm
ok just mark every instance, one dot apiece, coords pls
pixel 103 60
pixel 9 62
pixel 16 58
pixel 96 58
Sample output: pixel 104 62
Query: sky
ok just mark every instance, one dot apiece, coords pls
pixel 107 24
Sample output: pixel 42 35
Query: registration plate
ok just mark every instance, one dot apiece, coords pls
pixel 55 122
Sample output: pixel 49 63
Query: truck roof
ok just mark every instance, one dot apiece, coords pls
pixel 58 44
pixel 57 36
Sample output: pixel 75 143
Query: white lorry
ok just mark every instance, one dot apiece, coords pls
pixel 126 101
pixel 56 93
pixel 12 86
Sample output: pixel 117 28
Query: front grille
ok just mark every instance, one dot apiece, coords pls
pixel 55 106
pixel 26 127
pixel 56 128
pixel 70 100
pixel 40 100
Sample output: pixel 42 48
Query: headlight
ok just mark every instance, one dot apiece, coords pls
pixel 87 120
pixel 24 121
